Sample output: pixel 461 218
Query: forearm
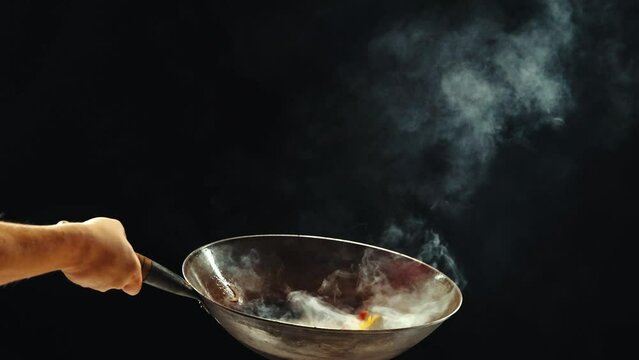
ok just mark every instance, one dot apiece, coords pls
pixel 30 250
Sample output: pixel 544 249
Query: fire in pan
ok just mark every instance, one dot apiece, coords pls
pixel 309 297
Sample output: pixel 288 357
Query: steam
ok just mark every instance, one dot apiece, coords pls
pixel 438 103
pixel 414 233
pixel 400 291
pixel 460 93
pixel 312 311
pixel 450 98
pixel 426 302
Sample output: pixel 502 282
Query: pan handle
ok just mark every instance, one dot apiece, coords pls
pixel 162 278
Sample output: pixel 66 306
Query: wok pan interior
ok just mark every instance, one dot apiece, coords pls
pixel 246 283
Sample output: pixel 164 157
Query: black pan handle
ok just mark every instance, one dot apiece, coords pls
pixel 162 278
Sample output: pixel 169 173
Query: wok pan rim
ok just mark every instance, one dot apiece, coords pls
pixel 198 250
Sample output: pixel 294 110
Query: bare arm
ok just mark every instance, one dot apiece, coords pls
pixel 93 254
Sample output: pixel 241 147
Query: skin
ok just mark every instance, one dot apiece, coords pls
pixel 93 254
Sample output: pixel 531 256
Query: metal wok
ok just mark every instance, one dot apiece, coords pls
pixel 233 278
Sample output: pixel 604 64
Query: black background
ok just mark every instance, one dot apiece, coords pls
pixel 182 120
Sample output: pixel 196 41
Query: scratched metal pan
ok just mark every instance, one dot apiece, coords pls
pixel 236 279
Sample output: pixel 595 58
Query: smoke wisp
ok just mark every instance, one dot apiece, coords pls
pixel 414 233
pixel 460 93
pixel 448 98
pixel 387 290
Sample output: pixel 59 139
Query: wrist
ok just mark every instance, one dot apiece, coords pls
pixel 72 244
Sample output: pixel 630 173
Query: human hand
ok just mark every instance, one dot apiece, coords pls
pixel 106 260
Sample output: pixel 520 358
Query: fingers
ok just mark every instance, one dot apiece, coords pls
pixel 132 289
pixel 110 262
pixel 134 285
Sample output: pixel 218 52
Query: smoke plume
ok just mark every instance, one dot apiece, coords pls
pixel 449 97
pixel 415 234
pixel 397 291
pixel 460 93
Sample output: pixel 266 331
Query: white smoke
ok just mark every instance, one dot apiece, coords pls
pixel 460 93
pixel 414 233
pixel 452 97
pixel 400 291
pixel 313 311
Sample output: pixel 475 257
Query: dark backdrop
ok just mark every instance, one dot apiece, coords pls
pixel 198 120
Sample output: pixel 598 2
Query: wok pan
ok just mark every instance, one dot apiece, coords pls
pixel 246 283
